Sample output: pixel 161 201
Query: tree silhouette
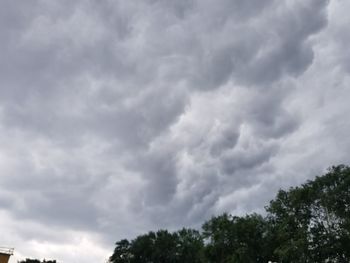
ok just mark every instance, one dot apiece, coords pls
pixel 309 223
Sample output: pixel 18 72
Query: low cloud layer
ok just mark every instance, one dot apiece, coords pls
pixel 119 117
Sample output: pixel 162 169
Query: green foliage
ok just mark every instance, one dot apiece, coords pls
pixel 309 223
pixel 312 221
pixel 184 246
pixel 190 246
pixel 121 252
pixel 235 239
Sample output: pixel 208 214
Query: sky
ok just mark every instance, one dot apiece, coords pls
pixel 120 117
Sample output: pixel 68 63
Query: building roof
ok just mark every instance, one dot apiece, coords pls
pixel 6 250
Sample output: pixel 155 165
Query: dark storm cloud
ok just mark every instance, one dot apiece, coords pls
pixel 121 116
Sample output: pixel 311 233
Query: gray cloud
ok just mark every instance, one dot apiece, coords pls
pixel 120 117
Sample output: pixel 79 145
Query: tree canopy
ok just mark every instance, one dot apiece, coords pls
pixel 308 223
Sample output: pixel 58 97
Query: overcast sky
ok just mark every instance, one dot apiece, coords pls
pixel 119 117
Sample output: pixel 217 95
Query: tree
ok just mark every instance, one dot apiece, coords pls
pixel 122 252
pixel 190 246
pixel 235 239
pixel 311 222
pixel 184 246
pixel 142 248
pixel 165 247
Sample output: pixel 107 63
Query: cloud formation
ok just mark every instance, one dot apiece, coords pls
pixel 118 117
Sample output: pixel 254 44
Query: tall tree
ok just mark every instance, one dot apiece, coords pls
pixel 190 246
pixel 311 222
pixel 142 248
pixel 235 239
pixel 122 253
